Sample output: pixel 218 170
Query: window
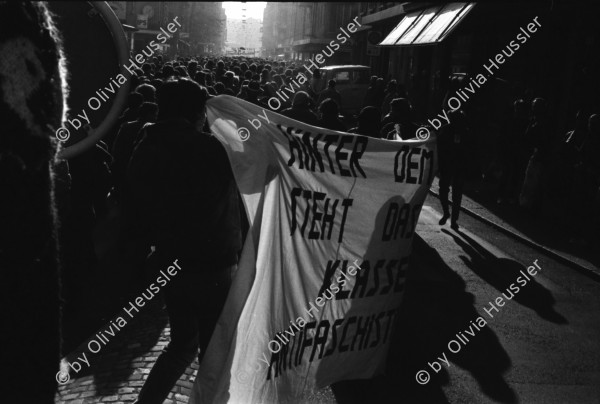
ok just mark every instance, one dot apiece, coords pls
pixel 342 77
pixel 361 76
pixel 428 26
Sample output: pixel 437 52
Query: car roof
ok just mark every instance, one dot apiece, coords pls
pixel 344 67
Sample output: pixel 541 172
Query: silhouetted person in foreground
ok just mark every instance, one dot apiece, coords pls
pixel 31 107
pixel 453 146
pixel 180 182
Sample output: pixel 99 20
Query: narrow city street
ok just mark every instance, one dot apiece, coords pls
pixel 300 202
pixel 542 346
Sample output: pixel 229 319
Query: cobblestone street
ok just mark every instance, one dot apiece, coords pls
pixel 118 371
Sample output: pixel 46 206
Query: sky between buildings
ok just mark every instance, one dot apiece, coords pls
pixel 235 9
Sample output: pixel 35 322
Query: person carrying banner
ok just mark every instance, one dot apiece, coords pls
pixel 181 183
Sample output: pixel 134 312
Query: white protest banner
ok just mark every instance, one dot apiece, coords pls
pixel 322 272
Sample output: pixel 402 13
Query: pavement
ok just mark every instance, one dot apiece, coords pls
pixel 546 232
pixel 543 347
pixel 117 370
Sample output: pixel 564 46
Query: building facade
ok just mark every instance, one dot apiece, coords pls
pixel 299 31
pixel 245 33
pixel 203 28
pixel 558 61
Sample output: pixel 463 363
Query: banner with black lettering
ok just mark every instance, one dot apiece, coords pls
pixel 322 271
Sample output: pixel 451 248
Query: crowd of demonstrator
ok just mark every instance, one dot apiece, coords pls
pixel 176 192
pixel 172 182
pixel 172 185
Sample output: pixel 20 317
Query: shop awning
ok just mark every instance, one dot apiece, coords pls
pixel 428 26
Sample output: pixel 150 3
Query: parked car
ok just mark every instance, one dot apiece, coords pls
pixel 352 83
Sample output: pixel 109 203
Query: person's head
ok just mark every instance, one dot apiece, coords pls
pixel 372 81
pixel 253 89
pixel 520 108
pixel 148 92
pixel 167 71
pixel 182 98
pixel 401 108
pixel 200 78
pixel 301 100
pixel 539 107
pixel 34 96
pixel 182 71
pixel 288 73
pixel 369 119
pixel 277 80
pixel 147 69
pixel 329 108
pixel 380 83
pixel 148 112
pixel 220 88
pixel 248 75
pixel 228 79
pixel 192 67
pixel 392 86
pixel 156 83
pixel 331 84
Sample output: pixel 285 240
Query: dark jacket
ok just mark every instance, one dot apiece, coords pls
pixel 454 146
pixel 332 123
pixel 330 93
pixel 301 114
pixel 182 194
pixel 122 150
